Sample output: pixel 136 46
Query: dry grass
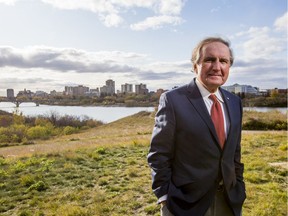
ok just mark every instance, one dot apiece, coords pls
pixel 135 128
pixel 104 171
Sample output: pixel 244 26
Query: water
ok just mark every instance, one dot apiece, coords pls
pixel 266 109
pixel 104 114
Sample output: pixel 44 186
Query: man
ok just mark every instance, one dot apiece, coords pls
pixel 195 159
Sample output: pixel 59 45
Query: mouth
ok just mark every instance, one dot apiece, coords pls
pixel 214 75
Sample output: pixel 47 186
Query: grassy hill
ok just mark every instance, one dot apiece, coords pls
pixel 103 171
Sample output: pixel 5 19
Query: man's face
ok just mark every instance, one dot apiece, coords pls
pixel 213 67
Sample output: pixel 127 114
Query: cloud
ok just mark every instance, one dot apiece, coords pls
pixel 156 22
pixel 51 68
pixel 111 12
pixel 261 56
pixel 259 42
pixel 214 10
pixel 281 23
pixel 8 2
pixel 65 60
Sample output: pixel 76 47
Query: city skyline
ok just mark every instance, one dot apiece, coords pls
pixel 120 89
pixel 48 44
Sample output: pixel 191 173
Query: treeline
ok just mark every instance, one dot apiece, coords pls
pixel 151 99
pixel 279 100
pixel 18 129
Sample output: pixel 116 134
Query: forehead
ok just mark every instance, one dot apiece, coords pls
pixel 215 49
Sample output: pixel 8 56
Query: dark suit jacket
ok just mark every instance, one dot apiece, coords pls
pixel 186 159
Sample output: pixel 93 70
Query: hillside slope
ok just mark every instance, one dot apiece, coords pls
pixel 134 128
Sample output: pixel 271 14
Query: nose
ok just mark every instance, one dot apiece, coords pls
pixel 216 65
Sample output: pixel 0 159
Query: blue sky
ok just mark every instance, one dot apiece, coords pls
pixel 49 44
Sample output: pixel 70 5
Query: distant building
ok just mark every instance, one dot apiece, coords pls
pixel 141 89
pixel 126 88
pixel 93 92
pixel 109 88
pixel 41 94
pixel 55 93
pixel 79 90
pixel 238 89
pixel 10 93
pixel 25 93
pixel 68 90
pixel 277 91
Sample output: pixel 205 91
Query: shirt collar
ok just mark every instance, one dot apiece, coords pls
pixel 205 93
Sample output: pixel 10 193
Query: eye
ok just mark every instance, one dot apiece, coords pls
pixel 209 59
pixel 224 61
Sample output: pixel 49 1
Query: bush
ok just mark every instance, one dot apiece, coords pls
pixel 16 128
pixel 38 132
pixel 12 134
pixel 5 120
pixel 256 124
pixel 69 130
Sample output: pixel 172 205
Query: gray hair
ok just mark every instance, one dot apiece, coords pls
pixel 196 54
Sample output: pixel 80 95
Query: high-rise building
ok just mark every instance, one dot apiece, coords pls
pixel 141 89
pixel 126 88
pixel 10 93
pixel 76 90
pixel 109 88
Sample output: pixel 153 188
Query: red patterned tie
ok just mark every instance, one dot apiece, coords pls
pixel 218 120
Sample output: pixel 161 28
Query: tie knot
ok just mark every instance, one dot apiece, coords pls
pixel 213 97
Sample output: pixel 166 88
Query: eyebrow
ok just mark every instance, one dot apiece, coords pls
pixel 211 58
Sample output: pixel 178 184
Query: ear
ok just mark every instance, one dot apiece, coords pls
pixel 195 68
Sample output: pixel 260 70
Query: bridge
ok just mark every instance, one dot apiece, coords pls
pixel 17 102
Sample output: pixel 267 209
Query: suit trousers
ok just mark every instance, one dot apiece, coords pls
pixel 219 207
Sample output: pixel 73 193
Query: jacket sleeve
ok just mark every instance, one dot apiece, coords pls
pixel 161 149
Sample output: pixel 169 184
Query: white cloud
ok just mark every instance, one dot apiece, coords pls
pixel 51 68
pixel 110 12
pixel 281 23
pixel 170 7
pixel 111 20
pixel 156 22
pixel 8 2
pixel 259 42
pixel 213 10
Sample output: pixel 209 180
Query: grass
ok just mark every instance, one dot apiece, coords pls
pixel 104 172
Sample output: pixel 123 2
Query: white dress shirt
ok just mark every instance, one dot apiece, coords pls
pixel 208 102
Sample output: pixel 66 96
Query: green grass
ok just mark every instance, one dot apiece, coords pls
pixel 115 179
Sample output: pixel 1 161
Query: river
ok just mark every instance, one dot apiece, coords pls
pixel 104 114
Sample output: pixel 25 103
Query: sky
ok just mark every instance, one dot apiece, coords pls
pixel 46 45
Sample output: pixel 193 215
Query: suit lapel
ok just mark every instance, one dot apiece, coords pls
pixel 195 97
pixel 231 112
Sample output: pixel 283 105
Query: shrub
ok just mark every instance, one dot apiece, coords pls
pixel 4 137
pixel 69 130
pixel 257 124
pixel 5 120
pixel 42 121
pixel 38 132
pixel 12 134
